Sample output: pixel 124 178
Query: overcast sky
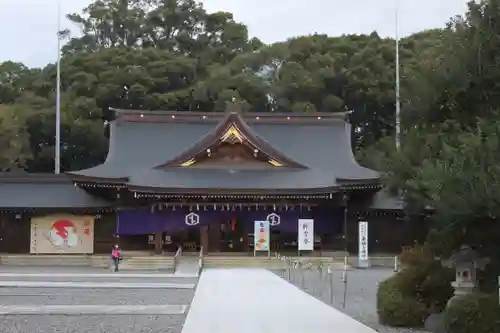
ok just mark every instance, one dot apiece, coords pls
pixel 28 27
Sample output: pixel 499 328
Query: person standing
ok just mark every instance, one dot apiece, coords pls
pixel 116 256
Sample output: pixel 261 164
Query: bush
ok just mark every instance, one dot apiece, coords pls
pixel 421 288
pixel 396 309
pixel 473 314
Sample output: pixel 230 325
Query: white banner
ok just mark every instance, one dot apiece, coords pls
pixel 363 259
pixel 306 235
pixel 261 236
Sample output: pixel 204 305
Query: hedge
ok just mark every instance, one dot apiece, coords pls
pixel 423 287
pixel 396 309
pixel 473 314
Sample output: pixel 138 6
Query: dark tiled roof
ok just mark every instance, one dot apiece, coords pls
pixel 319 142
pixel 177 179
pixel 44 191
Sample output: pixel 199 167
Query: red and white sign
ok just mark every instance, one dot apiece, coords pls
pixel 62 234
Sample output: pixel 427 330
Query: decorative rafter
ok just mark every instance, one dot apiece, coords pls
pixel 233 135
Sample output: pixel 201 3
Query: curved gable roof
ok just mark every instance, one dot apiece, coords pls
pixel 142 142
pixel 232 120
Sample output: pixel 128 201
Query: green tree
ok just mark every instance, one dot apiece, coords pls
pixel 14 139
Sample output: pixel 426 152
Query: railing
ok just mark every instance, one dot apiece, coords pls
pixel 177 257
pixel 200 260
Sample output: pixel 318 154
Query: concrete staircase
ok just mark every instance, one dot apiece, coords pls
pixel 242 262
pixel 162 263
pixel 231 261
pixel 45 260
pixel 130 262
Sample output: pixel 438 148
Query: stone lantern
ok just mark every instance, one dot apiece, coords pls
pixel 466 262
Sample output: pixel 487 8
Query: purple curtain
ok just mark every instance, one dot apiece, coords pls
pixel 144 221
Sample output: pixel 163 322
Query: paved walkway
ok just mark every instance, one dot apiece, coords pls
pixel 256 300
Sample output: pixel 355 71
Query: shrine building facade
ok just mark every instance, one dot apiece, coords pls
pixel 201 179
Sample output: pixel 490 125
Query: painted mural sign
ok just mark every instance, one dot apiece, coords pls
pixel 53 234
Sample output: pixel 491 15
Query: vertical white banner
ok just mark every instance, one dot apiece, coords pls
pixel 261 236
pixel 363 259
pixel 306 235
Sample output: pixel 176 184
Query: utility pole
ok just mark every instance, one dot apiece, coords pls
pixel 398 99
pixel 57 155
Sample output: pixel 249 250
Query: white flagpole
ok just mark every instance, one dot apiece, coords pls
pixel 398 100
pixel 57 157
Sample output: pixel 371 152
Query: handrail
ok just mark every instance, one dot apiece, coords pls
pixel 177 256
pixel 200 259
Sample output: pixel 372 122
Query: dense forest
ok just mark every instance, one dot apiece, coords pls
pixel 174 55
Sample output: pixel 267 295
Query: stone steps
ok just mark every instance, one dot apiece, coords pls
pixel 148 263
pixel 99 261
pixel 45 260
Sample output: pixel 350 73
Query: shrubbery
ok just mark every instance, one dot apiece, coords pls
pixel 398 309
pixel 473 314
pixel 421 288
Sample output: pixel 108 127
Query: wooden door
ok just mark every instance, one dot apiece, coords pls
pixel 14 234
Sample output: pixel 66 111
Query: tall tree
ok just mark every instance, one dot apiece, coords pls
pixel 14 139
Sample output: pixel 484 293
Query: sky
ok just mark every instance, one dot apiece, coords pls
pixel 28 27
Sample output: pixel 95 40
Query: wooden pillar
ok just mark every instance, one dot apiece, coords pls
pixel 158 242
pixel 246 247
pixel 204 239
pixel 214 237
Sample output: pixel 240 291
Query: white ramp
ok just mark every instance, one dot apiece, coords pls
pixel 256 300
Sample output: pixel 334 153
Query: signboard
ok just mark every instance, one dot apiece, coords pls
pixel 60 234
pixel 306 235
pixel 261 236
pixel 363 259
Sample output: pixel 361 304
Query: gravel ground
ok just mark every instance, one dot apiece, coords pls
pixel 94 323
pixel 91 324
pixel 63 296
pixel 361 292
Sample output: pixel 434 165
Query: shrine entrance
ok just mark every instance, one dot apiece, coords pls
pixel 233 236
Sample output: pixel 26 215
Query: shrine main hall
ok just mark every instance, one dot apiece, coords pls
pixel 197 179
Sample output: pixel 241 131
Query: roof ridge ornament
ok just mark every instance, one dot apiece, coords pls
pixel 234 106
